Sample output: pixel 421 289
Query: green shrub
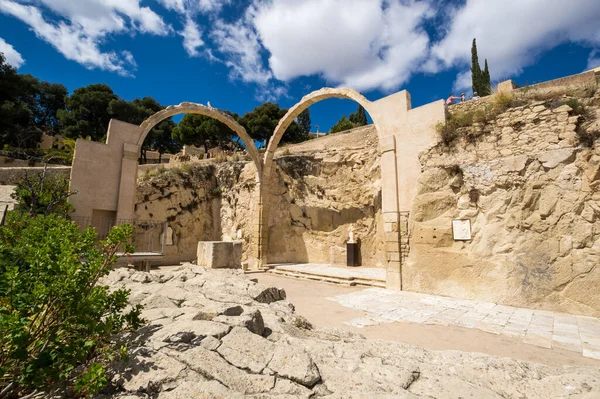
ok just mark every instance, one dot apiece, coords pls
pixel 448 131
pixel 56 322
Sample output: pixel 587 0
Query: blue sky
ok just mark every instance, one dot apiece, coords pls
pixel 237 54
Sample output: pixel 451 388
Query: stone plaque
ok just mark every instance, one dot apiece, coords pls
pixel 461 229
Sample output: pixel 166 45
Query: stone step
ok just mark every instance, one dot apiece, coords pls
pixel 350 280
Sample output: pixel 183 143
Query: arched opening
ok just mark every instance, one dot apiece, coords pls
pixel 193 200
pixel 336 221
pixel 193 108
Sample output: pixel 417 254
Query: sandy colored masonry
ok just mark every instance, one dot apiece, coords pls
pixel 104 174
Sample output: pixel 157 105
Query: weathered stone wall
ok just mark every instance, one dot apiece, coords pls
pixel 318 192
pixel 12 175
pixel 531 193
pixel 315 201
pixel 199 202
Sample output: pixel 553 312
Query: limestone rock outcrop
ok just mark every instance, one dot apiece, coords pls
pixel 176 356
pixel 530 191
pixel 319 190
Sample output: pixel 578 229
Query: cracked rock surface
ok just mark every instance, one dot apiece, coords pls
pixel 197 344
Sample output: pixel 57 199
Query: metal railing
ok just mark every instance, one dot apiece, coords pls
pixel 149 236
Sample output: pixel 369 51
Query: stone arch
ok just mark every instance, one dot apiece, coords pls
pixel 304 103
pixel 194 108
pixel 387 148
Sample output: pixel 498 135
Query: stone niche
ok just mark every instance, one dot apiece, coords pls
pixel 220 254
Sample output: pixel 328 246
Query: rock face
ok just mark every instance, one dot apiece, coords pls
pixel 530 191
pixel 319 191
pixel 177 356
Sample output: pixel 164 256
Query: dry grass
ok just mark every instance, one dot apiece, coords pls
pixel 449 131
pixel 220 158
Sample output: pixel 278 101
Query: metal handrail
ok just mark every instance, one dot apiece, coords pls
pixel 148 235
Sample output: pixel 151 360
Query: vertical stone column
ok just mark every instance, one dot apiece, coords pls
pixel 260 222
pixel 260 228
pixel 129 163
pixel 389 192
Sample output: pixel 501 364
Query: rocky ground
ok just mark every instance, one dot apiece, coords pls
pixel 218 334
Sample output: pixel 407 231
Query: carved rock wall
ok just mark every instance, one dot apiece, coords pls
pixel 532 195
pixel 320 189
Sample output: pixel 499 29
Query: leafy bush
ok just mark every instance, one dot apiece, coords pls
pixel 56 322
pixel 43 194
pixel 342 125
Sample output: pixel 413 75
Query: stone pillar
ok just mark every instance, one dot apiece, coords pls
pixel 507 86
pixel 261 227
pixel 389 204
pixel 129 164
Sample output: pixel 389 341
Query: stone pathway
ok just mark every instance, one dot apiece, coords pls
pixel 536 327
pixel 365 276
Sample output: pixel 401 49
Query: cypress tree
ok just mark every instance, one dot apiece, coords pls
pixel 486 85
pixel 476 74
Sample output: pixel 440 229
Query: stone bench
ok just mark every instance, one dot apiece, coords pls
pixel 220 254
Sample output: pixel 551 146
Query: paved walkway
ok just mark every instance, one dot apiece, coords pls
pixel 535 327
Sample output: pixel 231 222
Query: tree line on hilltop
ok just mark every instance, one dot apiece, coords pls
pixel 30 108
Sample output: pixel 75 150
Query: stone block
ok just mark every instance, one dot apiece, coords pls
pixel 552 159
pixel 220 254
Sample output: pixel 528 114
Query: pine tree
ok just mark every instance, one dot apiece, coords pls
pixel 476 74
pixel 486 83
pixel 360 117
pixel 304 122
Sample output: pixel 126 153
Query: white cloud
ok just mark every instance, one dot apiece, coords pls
pixel 174 5
pixel 240 45
pixel 512 34
pixel 463 81
pixel 13 57
pixel 593 60
pixel 195 6
pixel 364 44
pixel 271 92
pixel 191 32
pixel 208 6
pixel 128 57
pixel 78 28
pixel 192 37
